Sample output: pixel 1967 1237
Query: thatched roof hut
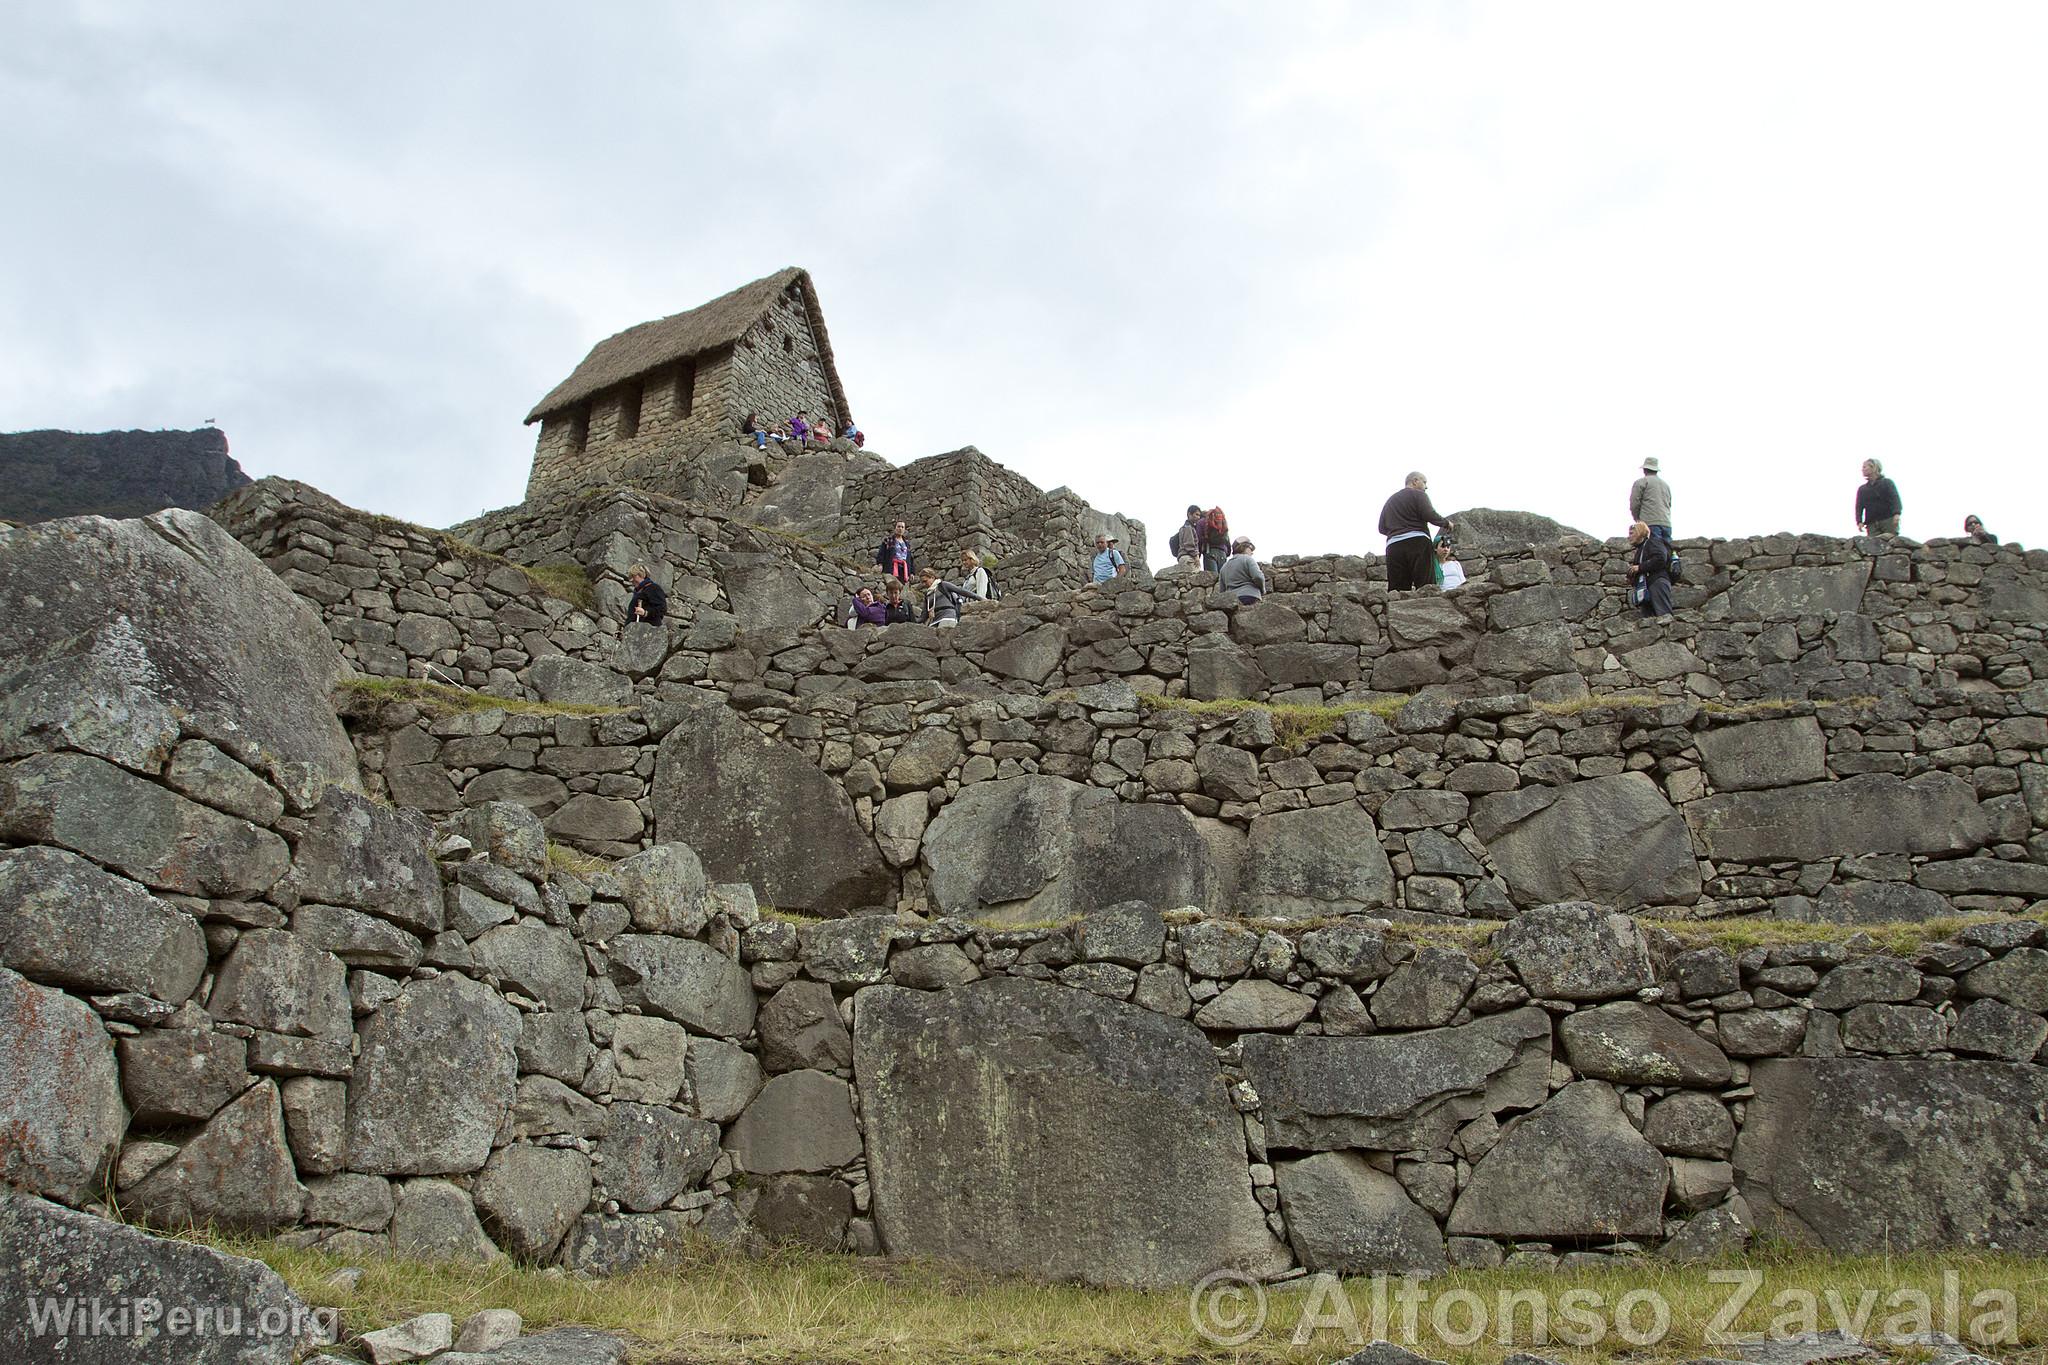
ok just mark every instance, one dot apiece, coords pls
pixel 715 326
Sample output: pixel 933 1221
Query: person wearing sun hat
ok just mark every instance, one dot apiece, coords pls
pixel 1109 561
pixel 1649 500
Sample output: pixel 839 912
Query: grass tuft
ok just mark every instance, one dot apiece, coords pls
pixel 563 858
pixel 441 699
pixel 1901 939
pixel 567 580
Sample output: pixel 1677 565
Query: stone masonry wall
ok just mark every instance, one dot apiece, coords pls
pixel 965 500
pixel 1481 808
pixel 778 370
pixel 442 1043
pixel 637 433
pixel 239 992
pixel 401 601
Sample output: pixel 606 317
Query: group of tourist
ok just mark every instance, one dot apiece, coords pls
pixel 1415 558
pixel 799 429
pixel 936 600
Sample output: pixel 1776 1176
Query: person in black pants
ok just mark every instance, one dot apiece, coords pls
pixel 1877 502
pixel 648 603
pixel 1405 522
pixel 1650 569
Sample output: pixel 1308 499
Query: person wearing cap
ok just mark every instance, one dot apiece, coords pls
pixel 1242 577
pixel 1405 521
pixel 1877 502
pixel 1109 561
pixel 1649 500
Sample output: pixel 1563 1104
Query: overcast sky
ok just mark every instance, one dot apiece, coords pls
pixel 1267 255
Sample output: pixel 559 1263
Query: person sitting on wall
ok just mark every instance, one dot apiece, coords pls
pixel 1974 532
pixel 1649 570
pixel 649 603
pixel 1109 561
pixel 867 611
pixel 854 434
pixel 1242 577
pixel 941 600
pixel 1449 572
pixel 799 429
pixel 973 577
pixel 898 606
pixel 894 555
pixel 762 432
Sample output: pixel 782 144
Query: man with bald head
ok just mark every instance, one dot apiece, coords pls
pixel 1405 522
pixel 1877 502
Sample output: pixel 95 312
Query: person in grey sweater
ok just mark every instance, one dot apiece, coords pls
pixel 1649 500
pixel 1242 577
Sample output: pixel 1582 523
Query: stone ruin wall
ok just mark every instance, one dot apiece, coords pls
pixel 1912 681
pixel 619 1059
pixel 963 500
pixel 253 977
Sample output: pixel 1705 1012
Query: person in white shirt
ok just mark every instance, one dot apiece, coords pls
pixel 973 577
pixel 1449 572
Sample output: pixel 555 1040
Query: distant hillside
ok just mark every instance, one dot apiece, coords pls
pixel 46 474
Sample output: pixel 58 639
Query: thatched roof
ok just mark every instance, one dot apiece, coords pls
pixel 708 327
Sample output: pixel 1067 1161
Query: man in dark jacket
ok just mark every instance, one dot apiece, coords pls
pixel 648 602
pixel 893 556
pixel 1877 502
pixel 1405 522
pixel 1650 569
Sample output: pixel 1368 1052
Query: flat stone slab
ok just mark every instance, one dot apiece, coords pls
pixel 1029 1128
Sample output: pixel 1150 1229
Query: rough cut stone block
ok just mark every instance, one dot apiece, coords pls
pixel 67 923
pixel 61 1116
pixel 53 1251
pixel 1575 1167
pixel 996 1109
pixel 1861 1154
pixel 449 1038
pixel 1397 1092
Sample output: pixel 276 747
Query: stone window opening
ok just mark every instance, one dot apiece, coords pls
pixel 788 345
pixel 686 388
pixel 629 412
pixel 579 428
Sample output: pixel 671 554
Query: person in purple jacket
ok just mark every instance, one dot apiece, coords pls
pixel 799 429
pixel 867 611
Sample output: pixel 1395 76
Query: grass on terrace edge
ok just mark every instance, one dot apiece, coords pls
pixel 442 698
pixel 789 1306
pixel 1295 724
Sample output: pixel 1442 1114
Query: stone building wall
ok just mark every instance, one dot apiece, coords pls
pixel 642 433
pixel 778 369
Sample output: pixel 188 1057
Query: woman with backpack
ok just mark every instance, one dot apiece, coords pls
pixel 1215 540
pixel 941 600
pixel 973 578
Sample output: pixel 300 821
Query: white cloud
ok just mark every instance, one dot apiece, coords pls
pixel 1266 256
